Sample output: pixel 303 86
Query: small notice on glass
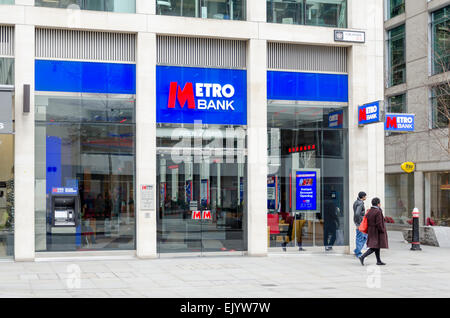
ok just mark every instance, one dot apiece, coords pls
pixel 147 197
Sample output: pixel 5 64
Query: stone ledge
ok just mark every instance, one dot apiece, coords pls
pixel 430 235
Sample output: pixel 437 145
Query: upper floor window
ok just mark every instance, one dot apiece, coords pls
pixel 6 1
pixel 210 9
pixel 440 32
pixel 6 71
pixel 394 8
pixel 440 106
pixel 396 56
pixel 127 6
pixel 329 13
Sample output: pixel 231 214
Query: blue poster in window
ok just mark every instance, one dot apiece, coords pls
pixel 306 190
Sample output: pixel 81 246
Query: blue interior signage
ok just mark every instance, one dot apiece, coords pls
pixel 306 191
pixel 191 94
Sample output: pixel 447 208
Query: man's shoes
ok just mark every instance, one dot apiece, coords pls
pixel 361 259
pixel 328 248
pixel 283 245
pixel 301 249
pixel 381 263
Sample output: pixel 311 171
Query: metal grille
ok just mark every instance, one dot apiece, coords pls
pixel 306 58
pixel 172 50
pixel 85 45
pixel 6 41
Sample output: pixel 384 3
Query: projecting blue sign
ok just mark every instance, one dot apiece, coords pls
pixel 369 113
pixel 190 94
pixel 306 190
pixel 399 122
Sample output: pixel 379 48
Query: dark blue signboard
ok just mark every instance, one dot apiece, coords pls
pixel 186 95
pixel 369 113
pixel 336 119
pixel 306 190
pixel 399 122
pixel 85 77
pixel 307 86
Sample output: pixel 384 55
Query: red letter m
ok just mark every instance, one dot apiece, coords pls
pixel 185 95
pixel 196 215
pixel 362 114
pixel 391 122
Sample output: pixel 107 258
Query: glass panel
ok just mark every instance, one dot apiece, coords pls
pixel 330 13
pixel 126 6
pixel 441 40
pixel 201 206
pixel 85 154
pixel 6 1
pixel 307 146
pixel 211 9
pixel 396 47
pixel 6 71
pixel 289 12
pixel 440 199
pixel 396 7
pixel 440 102
pixel 399 195
pixel 6 196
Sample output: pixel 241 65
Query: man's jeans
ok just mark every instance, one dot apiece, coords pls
pixel 361 239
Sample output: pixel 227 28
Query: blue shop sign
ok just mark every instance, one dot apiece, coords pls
pixel 336 119
pixel 186 95
pixel 399 122
pixel 306 190
pixel 369 113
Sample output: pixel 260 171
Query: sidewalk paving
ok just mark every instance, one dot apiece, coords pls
pixel 408 273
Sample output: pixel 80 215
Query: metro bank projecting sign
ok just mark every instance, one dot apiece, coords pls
pixel 399 122
pixel 186 95
pixel 369 113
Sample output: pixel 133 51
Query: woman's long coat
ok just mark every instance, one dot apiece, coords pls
pixel 377 235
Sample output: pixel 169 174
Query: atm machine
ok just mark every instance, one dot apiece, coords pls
pixel 64 220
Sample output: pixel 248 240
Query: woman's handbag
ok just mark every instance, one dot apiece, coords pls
pixel 363 227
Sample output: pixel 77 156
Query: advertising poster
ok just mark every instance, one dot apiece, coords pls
pixel 336 119
pixel 272 188
pixel 188 189
pixel 204 195
pixel 306 190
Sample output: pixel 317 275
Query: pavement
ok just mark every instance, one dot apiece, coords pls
pixel 408 273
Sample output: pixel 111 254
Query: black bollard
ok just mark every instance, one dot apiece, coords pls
pixel 415 231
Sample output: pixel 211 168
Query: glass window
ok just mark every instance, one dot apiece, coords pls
pixel 399 196
pixel 395 7
pixel 211 9
pixel 6 71
pixel 85 172
pixel 6 196
pixel 440 103
pixel 396 55
pixel 440 199
pixel 126 6
pixel 330 13
pixel 307 184
pixel 201 178
pixel 6 1
pixel 440 30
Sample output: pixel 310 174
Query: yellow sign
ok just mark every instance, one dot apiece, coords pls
pixel 408 167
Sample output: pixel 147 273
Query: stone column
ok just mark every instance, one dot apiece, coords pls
pixel 145 6
pixel 146 239
pixel 257 147
pixel 24 247
pixel 256 10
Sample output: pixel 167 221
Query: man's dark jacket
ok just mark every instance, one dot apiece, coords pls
pixel 359 211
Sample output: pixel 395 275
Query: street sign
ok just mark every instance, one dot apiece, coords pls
pixel 349 36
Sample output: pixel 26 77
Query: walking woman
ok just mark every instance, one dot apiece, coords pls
pixel 377 235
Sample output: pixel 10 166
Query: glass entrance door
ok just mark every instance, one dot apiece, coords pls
pixel 6 195
pixel 201 206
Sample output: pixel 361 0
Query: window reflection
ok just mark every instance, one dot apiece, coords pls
pixel 330 13
pixel 85 145
pixel 211 9
pixel 126 6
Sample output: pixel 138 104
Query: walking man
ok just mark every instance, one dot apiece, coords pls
pixel 359 211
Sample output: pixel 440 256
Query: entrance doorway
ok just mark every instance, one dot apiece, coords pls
pixel 202 196
pixel 6 195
